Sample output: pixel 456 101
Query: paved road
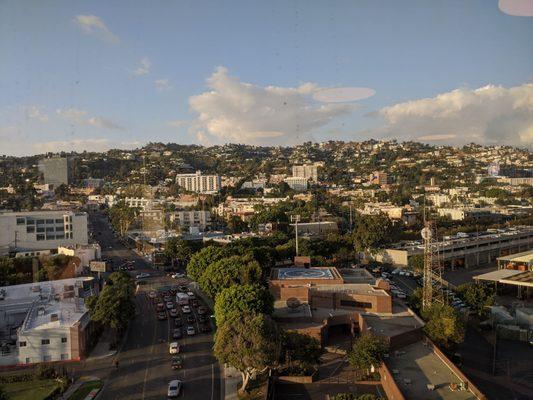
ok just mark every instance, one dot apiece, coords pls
pixel 144 360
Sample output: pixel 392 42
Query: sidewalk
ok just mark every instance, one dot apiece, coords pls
pixel 232 383
pixel 101 350
pixel 76 385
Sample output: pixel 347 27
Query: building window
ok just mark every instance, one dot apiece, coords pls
pixel 47 358
pixel 64 356
pixel 63 340
pixel 40 221
pixel 59 221
pixel 49 229
pixel 40 229
pixel 22 344
pixel 30 221
pixel 28 360
pixel 45 341
pixel 40 237
pixel 50 237
pixel 30 229
pixel 49 221
pixel 21 221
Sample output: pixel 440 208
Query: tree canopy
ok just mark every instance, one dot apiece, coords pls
pixel 239 299
pixel 248 342
pixel 477 296
pixel 443 325
pixel 229 271
pixel 201 260
pixel 368 350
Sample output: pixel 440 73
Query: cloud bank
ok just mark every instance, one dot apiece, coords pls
pixel 516 8
pixel 490 115
pixel 93 25
pixel 235 111
pixel 80 117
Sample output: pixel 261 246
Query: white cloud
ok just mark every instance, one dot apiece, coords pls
pixel 517 8
pixel 162 85
pixel 235 111
pixel 343 94
pixel 36 112
pixel 80 117
pixel 144 67
pixel 93 25
pixel 487 115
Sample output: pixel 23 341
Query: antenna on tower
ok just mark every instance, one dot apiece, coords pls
pixel 432 280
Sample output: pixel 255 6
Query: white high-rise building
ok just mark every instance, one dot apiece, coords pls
pixel 308 171
pixel 199 183
pixel 296 183
pixel 40 230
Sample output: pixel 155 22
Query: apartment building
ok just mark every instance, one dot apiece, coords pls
pixel 199 183
pixel 187 219
pixel 307 171
pixel 50 320
pixel 56 171
pixel 296 183
pixel 40 230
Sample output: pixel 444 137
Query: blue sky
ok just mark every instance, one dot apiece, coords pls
pixel 100 74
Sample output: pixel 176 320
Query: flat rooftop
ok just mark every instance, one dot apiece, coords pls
pixel 415 366
pixel 352 288
pixel 356 275
pixel 524 257
pixel 304 273
pixel 399 322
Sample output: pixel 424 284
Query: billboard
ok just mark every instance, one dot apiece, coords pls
pixel 97 266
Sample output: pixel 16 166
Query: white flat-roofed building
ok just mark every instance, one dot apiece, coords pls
pixel 296 183
pixel 307 171
pixel 187 219
pixel 199 183
pixel 41 230
pixel 50 320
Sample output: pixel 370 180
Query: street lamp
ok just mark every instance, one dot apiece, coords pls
pixel 296 219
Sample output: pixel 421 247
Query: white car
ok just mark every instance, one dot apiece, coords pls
pixel 191 295
pixel 170 305
pixel 174 348
pixel 178 275
pixel 186 309
pixel 142 275
pixel 174 388
pixel 191 331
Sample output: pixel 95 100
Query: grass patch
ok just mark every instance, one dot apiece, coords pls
pixel 32 390
pixel 84 390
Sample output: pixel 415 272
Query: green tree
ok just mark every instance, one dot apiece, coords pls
pixel 227 272
pixel 373 231
pixel 248 342
pixel 299 350
pixel 115 305
pixel 122 216
pixel 3 394
pixel 201 260
pixel 443 325
pixel 181 250
pixel 242 299
pixel 477 296
pixel 416 262
pixel 368 350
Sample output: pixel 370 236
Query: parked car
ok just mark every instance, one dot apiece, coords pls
pixel 161 316
pixel 202 310
pixel 191 294
pixel 178 322
pixel 142 275
pixel 176 333
pixel 170 305
pixel 174 388
pixel 183 288
pixel 173 313
pixel 152 295
pixel 190 318
pixel 174 348
pixel 191 331
pixel 186 309
pixel 205 328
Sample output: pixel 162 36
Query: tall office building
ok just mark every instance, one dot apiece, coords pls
pixel 41 230
pixel 199 183
pixel 307 171
pixel 56 171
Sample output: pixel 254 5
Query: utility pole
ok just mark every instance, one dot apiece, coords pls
pixel 296 219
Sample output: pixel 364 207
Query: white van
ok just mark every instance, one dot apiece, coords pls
pixel 182 299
